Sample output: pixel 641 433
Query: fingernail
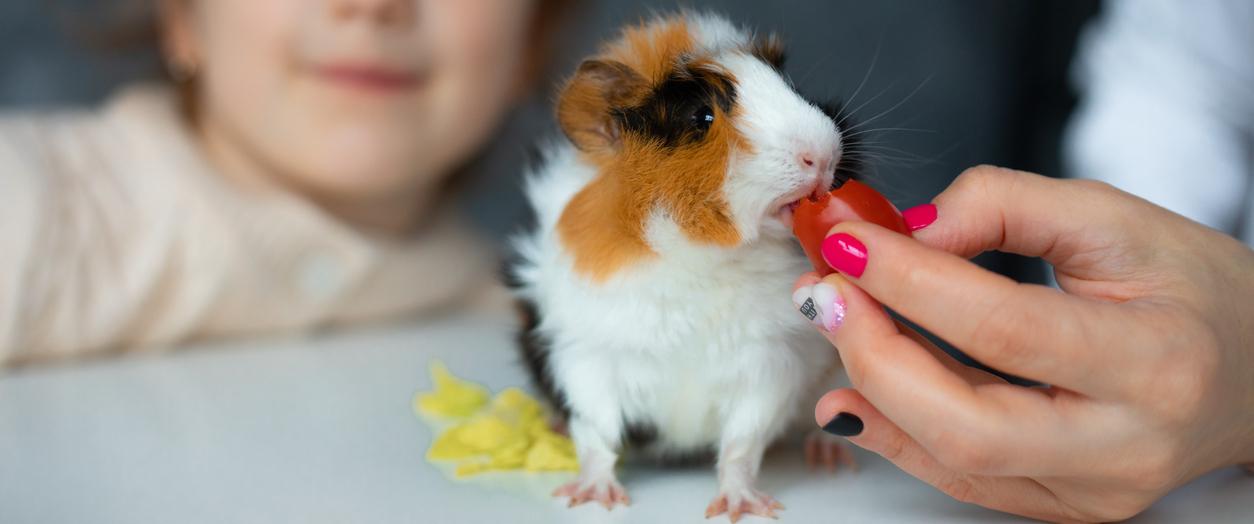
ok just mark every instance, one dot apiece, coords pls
pixel 919 217
pixel 820 303
pixel 845 253
pixel 845 425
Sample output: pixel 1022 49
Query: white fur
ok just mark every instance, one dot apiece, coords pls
pixel 780 125
pixel 713 33
pixel 700 341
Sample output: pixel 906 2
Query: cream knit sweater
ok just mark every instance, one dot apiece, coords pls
pixel 115 235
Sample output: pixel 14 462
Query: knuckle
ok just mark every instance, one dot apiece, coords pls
pixel 1118 508
pixel 963 452
pixel 960 488
pixel 1185 375
pixel 855 369
pixel 1106 202
pixel 979 179
pixel 982 172
pixel 915 275
pixel 994 336
pixel 1093 186
pixel 1156 469
pixel 894 447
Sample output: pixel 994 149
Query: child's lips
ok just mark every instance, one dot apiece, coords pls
pixel 369 77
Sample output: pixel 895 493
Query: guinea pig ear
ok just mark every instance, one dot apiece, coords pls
pixel 585 109
pixel 770 49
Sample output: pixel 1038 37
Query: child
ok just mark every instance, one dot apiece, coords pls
pixel 291 178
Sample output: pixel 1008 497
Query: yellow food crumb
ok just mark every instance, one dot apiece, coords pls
pixel 509 433
pixel 453 397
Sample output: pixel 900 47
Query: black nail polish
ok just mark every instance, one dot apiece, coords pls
pixel 845 425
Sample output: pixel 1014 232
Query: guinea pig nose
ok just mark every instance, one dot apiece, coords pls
pixel 819 162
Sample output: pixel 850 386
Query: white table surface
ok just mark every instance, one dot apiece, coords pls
pixel 320 430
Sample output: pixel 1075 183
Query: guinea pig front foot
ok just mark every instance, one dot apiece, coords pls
pixel 603 488
pixel 737 502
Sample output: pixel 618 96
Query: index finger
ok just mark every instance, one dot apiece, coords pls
pixel 1028 330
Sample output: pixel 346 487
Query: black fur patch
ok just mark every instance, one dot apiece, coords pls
pixel 695 457
pixel 535 352
pixel 670 113
pixel 640 434
pixel 534 348
pixel 771 51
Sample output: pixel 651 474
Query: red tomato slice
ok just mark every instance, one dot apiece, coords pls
pixel 852 201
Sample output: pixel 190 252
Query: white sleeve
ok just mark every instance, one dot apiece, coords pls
pixel 1167 106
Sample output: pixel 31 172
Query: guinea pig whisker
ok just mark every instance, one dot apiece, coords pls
pixel 813 67
pixel 893 155
pixel 895 106
pixel 855 110
pixel 870 69
pixel 888 130
pixel 882 146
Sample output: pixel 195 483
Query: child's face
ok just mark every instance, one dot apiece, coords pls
pixel 352 98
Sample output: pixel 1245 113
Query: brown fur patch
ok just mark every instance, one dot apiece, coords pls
pixel 652 49
pixel 597 88
pixel 603 225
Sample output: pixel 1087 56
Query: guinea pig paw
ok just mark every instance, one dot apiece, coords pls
pixel 827 450
pixel 605 490
pixel 737 502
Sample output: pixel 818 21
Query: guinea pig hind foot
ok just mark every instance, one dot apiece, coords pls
pixel 738 501
pixel 827 451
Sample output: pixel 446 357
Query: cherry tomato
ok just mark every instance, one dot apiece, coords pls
pixel 851 201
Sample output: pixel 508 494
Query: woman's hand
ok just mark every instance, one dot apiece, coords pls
pixel 1149 351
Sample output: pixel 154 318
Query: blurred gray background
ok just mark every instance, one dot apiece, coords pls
pixel 949 84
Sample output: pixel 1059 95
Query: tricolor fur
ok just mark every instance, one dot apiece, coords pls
pixel 658 276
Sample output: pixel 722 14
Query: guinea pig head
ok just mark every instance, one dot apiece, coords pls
pixel 690 124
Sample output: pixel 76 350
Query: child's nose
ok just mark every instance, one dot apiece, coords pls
pixel 383 12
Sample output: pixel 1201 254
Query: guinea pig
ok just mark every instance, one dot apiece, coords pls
pixel 657 277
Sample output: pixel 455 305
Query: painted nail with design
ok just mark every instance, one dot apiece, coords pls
pixel 820 303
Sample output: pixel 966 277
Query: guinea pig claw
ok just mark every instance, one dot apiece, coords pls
pixel 717 506
pixel 607 492
pixel 740 502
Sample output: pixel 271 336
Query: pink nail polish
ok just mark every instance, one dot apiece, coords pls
pixel 830 304
pixel 919 217
pixel 845 253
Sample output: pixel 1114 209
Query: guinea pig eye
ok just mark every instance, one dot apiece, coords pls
pixel 703 117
